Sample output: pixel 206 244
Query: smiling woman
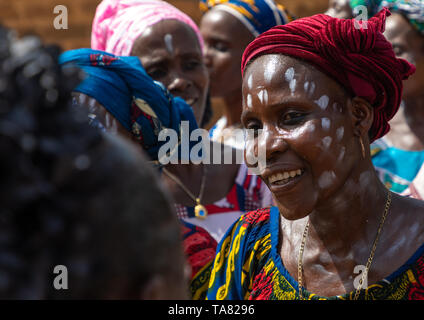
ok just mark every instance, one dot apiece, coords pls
pixel 333 88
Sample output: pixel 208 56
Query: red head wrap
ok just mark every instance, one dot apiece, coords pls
pixel 357 56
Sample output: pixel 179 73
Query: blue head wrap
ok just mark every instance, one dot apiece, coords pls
pixel 143 106
pixel 257 15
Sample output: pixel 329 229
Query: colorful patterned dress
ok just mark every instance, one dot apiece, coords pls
pixel 201 236
pixel 199 248
pixel 248 266
pixel 248 193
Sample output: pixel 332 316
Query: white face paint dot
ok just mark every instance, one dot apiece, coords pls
pixel 263 96
pixel 289 75
pixel 325 123
pixel 292 85
pixel 250 81
pixel 270 69
pixel 326 142
pixel 340 133
pixel 249 100
pixel 168 43
pixel 323 102
pixel 341 155
pixel 326 179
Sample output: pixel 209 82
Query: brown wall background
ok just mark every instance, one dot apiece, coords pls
pixel 36 16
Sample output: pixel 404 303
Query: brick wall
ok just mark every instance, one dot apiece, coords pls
pixel 36 16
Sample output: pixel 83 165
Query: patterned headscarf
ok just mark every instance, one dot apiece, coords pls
pixel 143 106
pixel 118 23
pixel 360 59
pixel 413 10
pixel 256 15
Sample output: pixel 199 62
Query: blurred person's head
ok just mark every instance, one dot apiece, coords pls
pixel 71 196
pixel 339 9
pixel 165 39
pixel 227 28
pixel 405 31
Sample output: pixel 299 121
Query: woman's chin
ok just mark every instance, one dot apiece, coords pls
pixel 294 210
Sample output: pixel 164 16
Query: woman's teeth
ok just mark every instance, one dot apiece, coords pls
pixel 284 177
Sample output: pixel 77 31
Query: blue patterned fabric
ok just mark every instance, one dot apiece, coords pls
pixel 143 106
pixel 257 15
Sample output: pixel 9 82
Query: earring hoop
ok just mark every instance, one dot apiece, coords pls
pixel 362 147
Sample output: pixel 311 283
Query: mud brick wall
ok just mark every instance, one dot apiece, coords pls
pixel 36 16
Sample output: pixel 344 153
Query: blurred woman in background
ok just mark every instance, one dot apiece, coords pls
pixel 227 28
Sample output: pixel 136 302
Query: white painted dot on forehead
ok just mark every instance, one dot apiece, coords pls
pixel 249 100
pixel 168 43
pixel 340 133
pixel 270 70
pixel 326 179
pixel 341 154
pixel 323 102
pixel 250 82
pixel 325 123
pixel 263 96
pixel 289 75
pixel 292 85
pixel 309 88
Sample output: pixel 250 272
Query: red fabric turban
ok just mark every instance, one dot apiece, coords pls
pixel 357 56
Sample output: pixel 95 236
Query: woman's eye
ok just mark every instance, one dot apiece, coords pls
pixel 292 118
pixel 192 64
pixel 157 73
pixel 220 46
pixel 253 127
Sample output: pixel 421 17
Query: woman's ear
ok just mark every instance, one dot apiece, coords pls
pixel 362 116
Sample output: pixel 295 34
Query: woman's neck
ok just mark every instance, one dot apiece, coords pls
pixel 350 216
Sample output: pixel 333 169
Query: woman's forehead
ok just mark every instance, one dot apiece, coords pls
pixel 276 71
pixel 161 34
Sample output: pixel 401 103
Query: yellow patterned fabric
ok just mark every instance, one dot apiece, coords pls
pixel 248 267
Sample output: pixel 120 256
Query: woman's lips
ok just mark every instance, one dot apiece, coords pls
pixel 284 180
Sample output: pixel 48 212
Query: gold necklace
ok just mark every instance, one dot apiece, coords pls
pixel 367 267
pixel 199 210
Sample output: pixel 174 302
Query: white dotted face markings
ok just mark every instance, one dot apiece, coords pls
pixel 289 77
pixel 270 70
pixel 263 96
pixel 326 179
pixel 340 133
pixel 249 100
pixel 325 123
pixel 323 102
pixel 168 43
pixel 250 82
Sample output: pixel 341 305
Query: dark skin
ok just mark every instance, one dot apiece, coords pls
pixel 178 64
pixel 339 9
pixel 344 208
pixel 170 53
pixel 408 44
pixel 225 40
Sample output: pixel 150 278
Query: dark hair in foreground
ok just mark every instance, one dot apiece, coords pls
pixel 70 195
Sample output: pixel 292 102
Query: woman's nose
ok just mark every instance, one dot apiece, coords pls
pixel 178 84
pixel 271 144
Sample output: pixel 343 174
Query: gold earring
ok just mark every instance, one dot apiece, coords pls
pixel 362 147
